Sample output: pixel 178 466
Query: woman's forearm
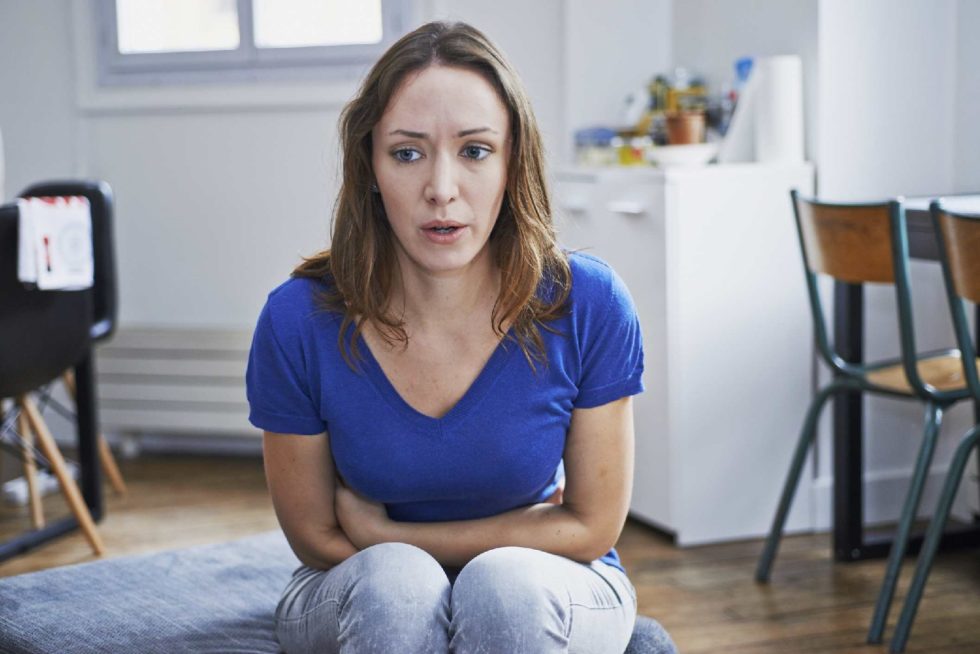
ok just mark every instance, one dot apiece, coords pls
pixel 323 550
pixel 548 527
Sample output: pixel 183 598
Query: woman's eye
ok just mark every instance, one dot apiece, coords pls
pixel 476 152
pixel 407 155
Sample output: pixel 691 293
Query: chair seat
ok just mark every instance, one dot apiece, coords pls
pixel 943 372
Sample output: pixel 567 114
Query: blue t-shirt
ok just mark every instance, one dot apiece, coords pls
pixel 500 447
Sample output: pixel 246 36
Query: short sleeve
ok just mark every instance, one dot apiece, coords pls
pixel 276 383
pixel 612 348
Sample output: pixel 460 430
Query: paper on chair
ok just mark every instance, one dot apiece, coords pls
pixel 54 248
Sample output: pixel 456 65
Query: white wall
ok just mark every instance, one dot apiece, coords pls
pixel 709 35
pixel 37 113
pixel 886 97
pixel 610 49
pixel 966 170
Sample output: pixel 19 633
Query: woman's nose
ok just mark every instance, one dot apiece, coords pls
pixel 442 187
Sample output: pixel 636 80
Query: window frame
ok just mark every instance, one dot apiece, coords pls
pixel 245 64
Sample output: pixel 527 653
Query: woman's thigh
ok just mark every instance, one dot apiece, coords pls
pixel 391 597
pixel 540 602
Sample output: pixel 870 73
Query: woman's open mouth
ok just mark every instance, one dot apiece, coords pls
pixel 442 232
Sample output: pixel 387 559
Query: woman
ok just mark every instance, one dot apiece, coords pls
pixel 445 393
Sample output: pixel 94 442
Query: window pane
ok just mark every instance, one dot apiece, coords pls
pixel 298 23
pixel 176 25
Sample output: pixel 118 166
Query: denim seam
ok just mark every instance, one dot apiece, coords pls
pixel 607 582
pixel 311 610
pixel 570 614
pixel 594 608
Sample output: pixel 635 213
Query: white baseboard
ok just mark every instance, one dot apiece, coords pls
pixel 884 494
pixel 131 445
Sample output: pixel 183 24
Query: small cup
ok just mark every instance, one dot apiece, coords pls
pixel 685 127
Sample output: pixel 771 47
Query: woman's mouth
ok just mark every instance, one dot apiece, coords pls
pixel 442 232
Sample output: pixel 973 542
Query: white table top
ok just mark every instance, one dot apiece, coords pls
pixel 960 203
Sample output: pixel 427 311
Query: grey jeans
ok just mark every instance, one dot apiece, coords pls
pixel 395 597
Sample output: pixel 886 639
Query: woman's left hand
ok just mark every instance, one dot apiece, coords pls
pixel 362 520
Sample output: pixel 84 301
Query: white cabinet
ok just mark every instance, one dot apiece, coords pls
pixel 712 261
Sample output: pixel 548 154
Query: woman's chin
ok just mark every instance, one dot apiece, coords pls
pixel 449 262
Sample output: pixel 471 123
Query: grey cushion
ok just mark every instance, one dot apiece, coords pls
pixel 215 598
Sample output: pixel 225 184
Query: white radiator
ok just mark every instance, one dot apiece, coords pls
pixel 174 380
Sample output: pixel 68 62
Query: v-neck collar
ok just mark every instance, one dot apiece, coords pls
pixel 471 398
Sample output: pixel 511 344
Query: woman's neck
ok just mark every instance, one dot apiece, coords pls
pixel 453 300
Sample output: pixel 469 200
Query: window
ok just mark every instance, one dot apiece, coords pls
pixel 181 41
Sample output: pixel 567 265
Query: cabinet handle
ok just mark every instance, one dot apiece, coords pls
pixel 627 207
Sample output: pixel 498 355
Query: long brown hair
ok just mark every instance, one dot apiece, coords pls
pixel 360 265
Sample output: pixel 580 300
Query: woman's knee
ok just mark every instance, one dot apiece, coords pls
pixel 392 573
pixel 507 592
pixel 390 597
pixel 504 570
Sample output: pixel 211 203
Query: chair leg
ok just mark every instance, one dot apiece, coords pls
pixel 68 486
pixel 30 471
pixel 110 468
pixel 106 459
pixel 792 481
pixel 934 418
pixel 933 535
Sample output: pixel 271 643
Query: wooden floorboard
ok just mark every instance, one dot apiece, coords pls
pixel 705 596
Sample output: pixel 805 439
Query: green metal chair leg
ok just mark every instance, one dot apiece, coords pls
pixel 792 479
pixel 934 417
pixel 933 536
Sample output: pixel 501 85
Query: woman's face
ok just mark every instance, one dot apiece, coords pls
pixel 440 154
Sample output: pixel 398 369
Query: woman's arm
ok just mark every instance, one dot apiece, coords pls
pixel 300 473
pixel 599 479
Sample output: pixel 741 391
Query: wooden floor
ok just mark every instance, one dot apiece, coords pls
pixel 704 596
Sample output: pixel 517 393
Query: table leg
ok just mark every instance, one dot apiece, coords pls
pixel 976 405
pixel 848 427
pixel 849 540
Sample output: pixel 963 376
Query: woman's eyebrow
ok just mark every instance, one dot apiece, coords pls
pixel 425 135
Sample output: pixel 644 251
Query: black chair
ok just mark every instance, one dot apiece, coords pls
pixel 45 333
pixel 104 288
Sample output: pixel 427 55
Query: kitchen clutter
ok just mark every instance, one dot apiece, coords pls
pixel 676 120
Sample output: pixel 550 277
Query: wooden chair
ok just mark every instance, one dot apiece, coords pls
pixel 31 425
pixel 106 458
pixel 958 235
pixel 857 244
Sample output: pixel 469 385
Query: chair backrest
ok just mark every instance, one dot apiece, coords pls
pixel 857 244
pixel 42 333
pixel 958 235
pixel 104 285
pixel 849 243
